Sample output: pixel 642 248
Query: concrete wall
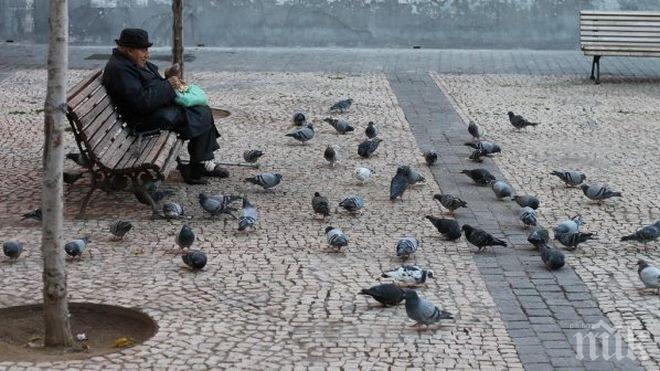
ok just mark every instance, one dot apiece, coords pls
pixel 534 24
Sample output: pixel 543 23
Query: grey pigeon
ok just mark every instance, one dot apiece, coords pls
pixel 252 155
pixel 477 155
pixel 569 226
pixel 449 228
pixel 552 258
pixel 527 216
pixel 299 119
pixel 154 192
pixel 248 217
pixel 70 178
pixel 320 205
pixel 406 246
pixel 352 203
pixel 399 182
pixel 519 122
pixel 76 247
pixel 570 178
pixel 649 274
pixel 572 240
pixel 330 155
pixel 414 176
pixel 645 235
pixel 12 249
pixel 34 215
pixel 479 176
pixel 172 210
pixel 195 259
pixel 474 130
pixel 538 237
pixel 341 126
pixel 79 159
pixel 480 238
pixel 450 202
pixel 217 205
pixel 431 157
pixel 371 131
pixel 119 228
pixel 303 134
pixel 265 180
pixel 335 237
pixel 185 238
pixel 387 294
pixel 598 192
pixel 486 147
pixel 527 201
pixel 342 106
pixel 368 147
pixel 423 312
pixel 409 275
pixel 501 189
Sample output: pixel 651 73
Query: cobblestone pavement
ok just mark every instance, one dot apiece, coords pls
pixel 275 297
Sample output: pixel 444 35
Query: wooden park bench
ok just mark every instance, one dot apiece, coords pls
pixel 618 33
pixel 116 159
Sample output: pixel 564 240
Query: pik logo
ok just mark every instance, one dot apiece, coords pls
pixel 603 342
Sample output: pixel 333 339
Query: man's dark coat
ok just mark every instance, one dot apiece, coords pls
pixel 146 100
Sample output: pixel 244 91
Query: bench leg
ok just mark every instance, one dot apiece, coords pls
pixel 154 206
pixel 83 207
pixel 595 64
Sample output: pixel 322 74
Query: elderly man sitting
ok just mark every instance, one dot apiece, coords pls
pixel 145 100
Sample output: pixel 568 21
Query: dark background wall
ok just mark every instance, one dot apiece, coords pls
pixel 532 24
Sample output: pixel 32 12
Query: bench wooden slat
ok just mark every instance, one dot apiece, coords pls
pixel 116 139
pixel 170 158
pixel 630 34
pixel 636 40
pixel 75 90
pixel 623 24
pixel 120 145
pixel 100 129
pixel 132 157
pixel 154 151
pixel 85 93
pixel 88 104
pixel 620 13
pixel 613 18
pixel 617 53
pixel 166 152
pixel 100 106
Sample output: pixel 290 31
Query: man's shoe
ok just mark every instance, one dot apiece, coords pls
pixel 191 174
pixel 217 172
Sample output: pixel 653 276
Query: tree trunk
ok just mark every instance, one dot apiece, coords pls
pixel 56 311
pixel 177 33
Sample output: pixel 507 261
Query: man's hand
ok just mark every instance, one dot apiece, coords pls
pixel 173 70
pixel 176 83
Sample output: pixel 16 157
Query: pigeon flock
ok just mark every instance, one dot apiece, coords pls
pixel 405 277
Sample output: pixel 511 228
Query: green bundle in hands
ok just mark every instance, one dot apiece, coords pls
pixel 192 95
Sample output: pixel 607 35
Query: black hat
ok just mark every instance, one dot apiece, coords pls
pixel 134 38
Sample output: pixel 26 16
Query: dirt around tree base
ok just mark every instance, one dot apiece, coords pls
pixel 22 332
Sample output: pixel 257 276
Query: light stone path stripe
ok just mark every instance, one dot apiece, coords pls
pixel 542 310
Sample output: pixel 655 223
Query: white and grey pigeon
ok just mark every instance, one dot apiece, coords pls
pixel 336 238
pixel 371 131
pixel 248 217
pixel 501 189
pixel 475 131
pixel 645 235
pixel 330 155
pixel 352 203
pixel 217 205
pixel 598 192
pixel 649 274
pixel 571 177
pixel 342 106
pixel 422 311
pixel 303 134
pixel 527 216
pixel 173 210
pixel 12 249
pixel 569 226
pixel 77 247
pixel 265 180
pixel 362 174
pixel 341 126
pixel 406 246
pixel 408 275
pixel 119 228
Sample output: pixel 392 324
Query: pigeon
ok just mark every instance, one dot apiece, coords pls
pixel 387 294
pixel 216 205
pixel 368 147
pixel 449 202
pixel 195 259
pixel 480 238
pixel 303 134
pixel 77 247
pixel 330 155
pixel 119 228
pixel 79 159
pixel 552 258
pixel 598 193
pixel 406 246
pixel 172 210
pixel 320 205
pixel 646 234
pixel 352 203
pixel 154 192
pixel 527 201
pixel 572 240
pixel 571 178
pixel 70 178
pixel 414 177
pixel 649 274
pixel 519 122
pixel 252 155
pixel 248 216
pixel 371 131
pixel 474 130
pixel 299 119
pixel 399 182
pixel 340 125
pixel 486 147
pixel 569 226
pixel 431 157
pixel 479 176
pixel 409 275
pixel 538 237
pixel 336 238
pixel 12 249
pixel 527 216
pixel 265 180
pixel 362 174
pixel 342 106
pixel 185 238
pixel 449 228
pixel 501 189
pixel 35 215
pixel 477 155
pixel 423 312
